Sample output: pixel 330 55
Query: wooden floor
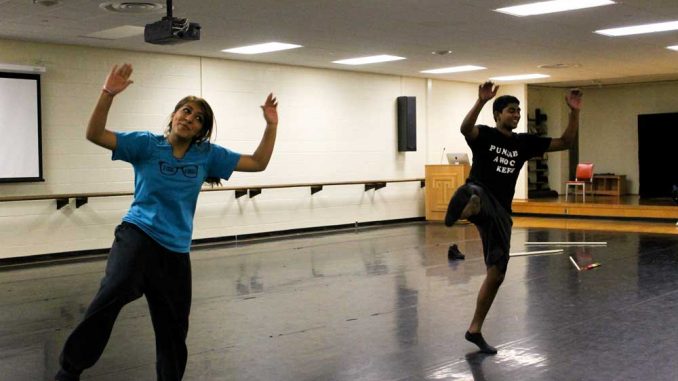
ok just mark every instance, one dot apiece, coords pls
pixel 379 303
pixel 627 213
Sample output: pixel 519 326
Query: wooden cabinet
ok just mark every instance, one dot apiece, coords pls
pixel 441 183
pixel 609 185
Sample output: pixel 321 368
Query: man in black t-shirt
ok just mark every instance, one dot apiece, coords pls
pixel 485 199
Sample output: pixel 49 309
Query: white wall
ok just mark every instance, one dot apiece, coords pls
pixel 608 134
pixel 335 126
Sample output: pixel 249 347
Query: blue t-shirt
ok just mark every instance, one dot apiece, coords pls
pixel 166 189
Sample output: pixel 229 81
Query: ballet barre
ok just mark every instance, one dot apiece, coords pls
pixel 251 191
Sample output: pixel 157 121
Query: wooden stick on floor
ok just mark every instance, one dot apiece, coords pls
pixel 538 252
pixel 584 243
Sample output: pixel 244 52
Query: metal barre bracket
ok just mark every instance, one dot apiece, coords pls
pixel 80 201
pixel 61 202
pixel 374 186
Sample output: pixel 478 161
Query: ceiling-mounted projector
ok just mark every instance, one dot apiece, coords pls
pixel 171 30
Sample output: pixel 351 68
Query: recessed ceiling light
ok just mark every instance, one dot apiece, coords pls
pixel 554 6
pixel 262 48
pixel 519 77
pixel 369 60
pixel 132 6
pixel 442 52
pixel 640 29
pixel 453 69
pixel 674 47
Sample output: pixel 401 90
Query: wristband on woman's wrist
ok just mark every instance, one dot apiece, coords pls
pixel 109 92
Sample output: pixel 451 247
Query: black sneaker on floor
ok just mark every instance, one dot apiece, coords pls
pixel 453 253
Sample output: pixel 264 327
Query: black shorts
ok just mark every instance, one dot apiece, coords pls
pixel 494 224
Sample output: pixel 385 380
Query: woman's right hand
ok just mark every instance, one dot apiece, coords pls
pixel 118 79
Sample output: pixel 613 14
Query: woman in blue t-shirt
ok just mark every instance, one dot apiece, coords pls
pixel 150 254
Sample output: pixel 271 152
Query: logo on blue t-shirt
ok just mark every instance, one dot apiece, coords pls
pixel 168 169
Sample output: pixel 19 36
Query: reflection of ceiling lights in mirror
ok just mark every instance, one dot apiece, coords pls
pixel 132 6
pixel 46 3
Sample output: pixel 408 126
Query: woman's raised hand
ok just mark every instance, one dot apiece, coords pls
pixel 270 109
pixel 118 79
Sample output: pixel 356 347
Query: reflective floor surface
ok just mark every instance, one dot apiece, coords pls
pixel 378 303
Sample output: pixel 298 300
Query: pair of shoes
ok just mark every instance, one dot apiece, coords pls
pixel 453 253
pixel 463 204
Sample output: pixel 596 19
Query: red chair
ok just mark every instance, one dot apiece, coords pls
pixel 583 176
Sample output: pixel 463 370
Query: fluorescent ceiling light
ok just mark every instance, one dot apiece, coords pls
pixel 674 47
pixel 519 77
pixel 640 29
pixel 453 69
pixel 543 7
pixel 369 60
pixel 117 33
pixel 262 48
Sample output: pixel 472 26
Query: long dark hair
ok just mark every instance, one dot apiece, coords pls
pixel 208 126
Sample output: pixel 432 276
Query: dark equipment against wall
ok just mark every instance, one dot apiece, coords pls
pixel 407 123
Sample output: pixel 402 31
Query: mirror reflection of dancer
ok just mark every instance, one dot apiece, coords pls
pixel 485 199
pixel 150 254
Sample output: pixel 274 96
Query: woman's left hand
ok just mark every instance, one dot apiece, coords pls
pixel 270 109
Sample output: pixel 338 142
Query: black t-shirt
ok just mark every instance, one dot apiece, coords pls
pixel 497 160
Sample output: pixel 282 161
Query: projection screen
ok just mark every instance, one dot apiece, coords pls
pixel 20 123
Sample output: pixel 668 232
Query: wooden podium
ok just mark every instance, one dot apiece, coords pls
pixel 441 183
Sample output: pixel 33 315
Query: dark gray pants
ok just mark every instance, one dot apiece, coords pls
pixel 137 265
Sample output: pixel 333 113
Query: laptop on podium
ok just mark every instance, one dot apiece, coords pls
pixel 457 158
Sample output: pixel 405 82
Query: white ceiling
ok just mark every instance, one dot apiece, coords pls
pixel 336 29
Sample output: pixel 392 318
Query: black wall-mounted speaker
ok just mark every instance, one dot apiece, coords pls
pixel 407 123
